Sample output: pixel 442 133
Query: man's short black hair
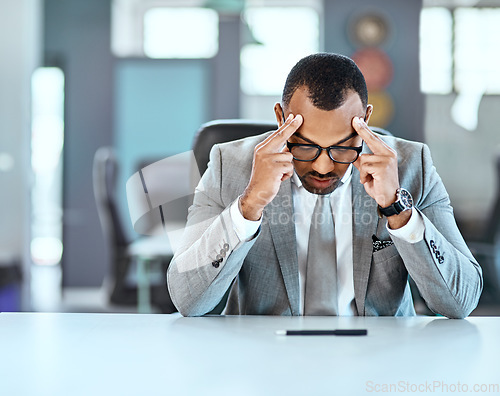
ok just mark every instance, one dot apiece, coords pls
pixel 328 78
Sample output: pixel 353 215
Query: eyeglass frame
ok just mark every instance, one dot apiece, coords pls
pixel 357 149
pixel 320 150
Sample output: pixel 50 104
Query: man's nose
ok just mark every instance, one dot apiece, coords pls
pixel 323 164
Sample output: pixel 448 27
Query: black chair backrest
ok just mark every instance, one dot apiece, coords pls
pixel 104 174
pixel 221 131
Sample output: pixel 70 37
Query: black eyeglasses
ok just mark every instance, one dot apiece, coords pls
pixel 339 154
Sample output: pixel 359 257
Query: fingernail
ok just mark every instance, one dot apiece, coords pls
pixel 290 116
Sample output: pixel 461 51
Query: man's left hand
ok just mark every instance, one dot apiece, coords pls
pixel 379 171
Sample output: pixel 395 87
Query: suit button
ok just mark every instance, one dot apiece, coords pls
pixel 219 258
pixel 441 260
pixel 223 253
pixel 215 264
pixel 226 247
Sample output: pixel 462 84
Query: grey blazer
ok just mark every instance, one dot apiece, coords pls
pixel 213 269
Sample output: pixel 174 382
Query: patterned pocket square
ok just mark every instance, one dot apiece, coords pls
pixel 379 245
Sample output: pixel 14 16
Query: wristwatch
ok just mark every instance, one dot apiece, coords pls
pixel 404 201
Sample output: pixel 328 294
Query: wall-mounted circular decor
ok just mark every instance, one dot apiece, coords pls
pixel 369 30
pixel 376 66
pixel 383 108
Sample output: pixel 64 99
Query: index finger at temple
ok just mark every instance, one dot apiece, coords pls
pixel 271 136
pixel 279 138
pixel 374 143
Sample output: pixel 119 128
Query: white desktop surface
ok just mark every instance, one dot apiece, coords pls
pixel 131 354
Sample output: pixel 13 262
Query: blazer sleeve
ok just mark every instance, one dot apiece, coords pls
pixel 447 275
pixel 210 254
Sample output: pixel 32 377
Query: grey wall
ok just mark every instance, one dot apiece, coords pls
pixel 402 48
pixel 77 39
pixel 225 70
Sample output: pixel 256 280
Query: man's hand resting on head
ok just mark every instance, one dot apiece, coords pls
pixel 272 164
pixel 379 172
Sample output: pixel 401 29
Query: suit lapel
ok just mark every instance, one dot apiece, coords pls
pixel 279 214
pixel 365 221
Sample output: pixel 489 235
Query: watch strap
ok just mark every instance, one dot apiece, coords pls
pixel 391 210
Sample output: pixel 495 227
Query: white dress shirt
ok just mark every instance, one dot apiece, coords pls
pixel 341 201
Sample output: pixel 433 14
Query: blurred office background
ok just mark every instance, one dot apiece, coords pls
pixel 139 77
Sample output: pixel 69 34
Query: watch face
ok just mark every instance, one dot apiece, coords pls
pixel 405 198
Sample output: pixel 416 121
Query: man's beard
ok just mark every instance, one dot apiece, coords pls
pixel 334 178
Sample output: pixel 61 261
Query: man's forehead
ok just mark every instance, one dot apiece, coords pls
pixel 313 116
pixel 327 128
pixel 345 139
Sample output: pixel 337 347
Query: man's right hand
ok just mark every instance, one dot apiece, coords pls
pixel 272 164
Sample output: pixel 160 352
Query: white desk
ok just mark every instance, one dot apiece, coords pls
pixel 120 354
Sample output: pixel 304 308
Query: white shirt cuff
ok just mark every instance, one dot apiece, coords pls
pixel 411 232
pixel 245 229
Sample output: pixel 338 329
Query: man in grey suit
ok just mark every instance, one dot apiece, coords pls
pixel 251 244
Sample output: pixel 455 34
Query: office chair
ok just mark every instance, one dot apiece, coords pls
pixel 486 249
pixel 120 290
pixel 492 231
pixel 104 174
pixel 221 131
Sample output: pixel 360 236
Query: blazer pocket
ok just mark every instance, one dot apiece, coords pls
pixel 387 282
pixel 385 253
pixel 388 269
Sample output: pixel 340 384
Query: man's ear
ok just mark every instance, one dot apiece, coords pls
pixel 278 112
pixel 369 111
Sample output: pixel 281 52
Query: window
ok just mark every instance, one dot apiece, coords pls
pixel 457 50
pixel 164 29
pixel 477 59
pixel 181 32
pixel 284 35
pixel 47 140
pixel 436 59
